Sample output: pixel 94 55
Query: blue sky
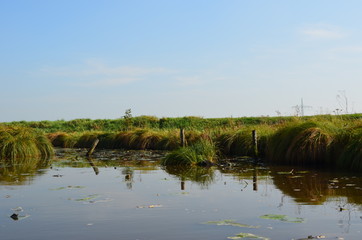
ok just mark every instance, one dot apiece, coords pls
pixel 95 59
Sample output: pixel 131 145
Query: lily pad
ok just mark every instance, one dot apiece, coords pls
pixel 150 206
pixel 68 187
pixel 247 235
pixel 230 222
pixel 88 198
pixel 283 218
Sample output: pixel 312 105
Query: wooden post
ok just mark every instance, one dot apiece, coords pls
pixel 182 137
pixel 255 143
pixel 94 145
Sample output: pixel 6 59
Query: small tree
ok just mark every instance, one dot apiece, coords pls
pixel 128 118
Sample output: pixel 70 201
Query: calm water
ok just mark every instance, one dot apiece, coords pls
pixel 129 196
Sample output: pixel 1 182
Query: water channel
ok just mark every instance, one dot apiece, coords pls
pixel 128 195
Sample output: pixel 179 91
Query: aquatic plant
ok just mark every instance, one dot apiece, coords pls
pixel 301 143
pixel 348 148
pixel 230 222
pixel 283 218
pixel 86 139
pixel 19 143
pixel 240 142
pixel 201 152
pixel 62 139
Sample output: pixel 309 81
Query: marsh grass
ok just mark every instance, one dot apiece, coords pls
pixel 315 140
pixel 202 152
pixel 240 143
pixel 348 148
pixel 62 139
pixel 19 143
pixel 302 143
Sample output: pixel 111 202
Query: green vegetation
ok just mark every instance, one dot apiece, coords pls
pixel 317 140
pixel 23 144
pixel 200 153
pixel 302 143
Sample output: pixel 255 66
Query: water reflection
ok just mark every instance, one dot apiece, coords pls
pixel 316 187
pixel 128 173
pixel 203 176
pixel 23 172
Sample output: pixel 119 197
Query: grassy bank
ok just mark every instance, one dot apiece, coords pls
pixel 150 122
pixel 319 140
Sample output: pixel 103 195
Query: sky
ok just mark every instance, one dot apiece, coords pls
pixel 67 59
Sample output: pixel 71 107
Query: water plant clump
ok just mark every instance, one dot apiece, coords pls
pixel 348 149
pixel 62 139
pixel 302 143
pixel 19 143
pixel 202 152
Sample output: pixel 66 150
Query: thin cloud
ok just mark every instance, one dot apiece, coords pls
pixel 189 81
pixel 110 82
pixel 348 49
pixel 95 73
pixel 322 32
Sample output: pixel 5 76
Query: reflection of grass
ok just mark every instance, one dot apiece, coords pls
pixel 17 174
pixel 309 188
pixel 201 175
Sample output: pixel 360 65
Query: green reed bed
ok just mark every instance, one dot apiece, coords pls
pixel 348 148
pixel 315 140
pixel 202 152
pixel 23 144
pixel 306 143
pixel 240 142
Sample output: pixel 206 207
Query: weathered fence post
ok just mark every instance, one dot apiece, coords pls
pixel 94 145
pixel 255 143
pixel 182 137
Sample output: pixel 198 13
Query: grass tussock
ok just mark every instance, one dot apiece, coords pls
pixel 349 149
pixel 240 143
pixel 200 153
pixel 63 140
pixel 19 143
pixel 301 143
